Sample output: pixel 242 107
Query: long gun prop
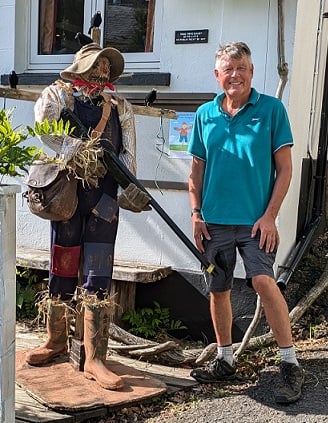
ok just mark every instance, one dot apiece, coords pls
pixel 124 177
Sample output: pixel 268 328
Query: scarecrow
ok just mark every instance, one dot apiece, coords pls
pixel 85 243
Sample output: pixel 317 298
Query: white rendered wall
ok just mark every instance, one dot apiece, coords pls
pixel 145 237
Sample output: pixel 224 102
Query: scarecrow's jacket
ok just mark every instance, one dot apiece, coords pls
pixel 60 94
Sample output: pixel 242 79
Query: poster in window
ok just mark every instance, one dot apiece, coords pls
pixel 180 130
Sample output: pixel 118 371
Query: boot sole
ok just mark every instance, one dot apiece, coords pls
pixel 288 400
pixel 48 360
pixel 90 376
pixel 222 379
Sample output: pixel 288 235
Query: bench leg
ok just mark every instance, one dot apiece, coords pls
pixel 124 295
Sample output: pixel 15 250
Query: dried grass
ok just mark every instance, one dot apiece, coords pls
pixel 92 301
pixel 86 164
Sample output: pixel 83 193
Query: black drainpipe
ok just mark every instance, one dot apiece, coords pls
pixel 318 198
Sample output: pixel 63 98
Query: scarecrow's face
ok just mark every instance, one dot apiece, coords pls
pixel 99 73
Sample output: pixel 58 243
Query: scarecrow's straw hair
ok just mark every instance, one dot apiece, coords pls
pixel 91 301
pixel 42 304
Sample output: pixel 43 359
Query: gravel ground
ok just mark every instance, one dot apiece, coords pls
pixel 244 400
pixel 256 403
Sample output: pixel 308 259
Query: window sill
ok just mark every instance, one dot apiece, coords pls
pixel 136 78
pixel 181 102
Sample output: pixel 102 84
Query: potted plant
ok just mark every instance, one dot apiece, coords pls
pixel 14 161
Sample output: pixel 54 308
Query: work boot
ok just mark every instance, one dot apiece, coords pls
pixel 57 330
pixel 291 388
pixel 216 371
pixel 96 326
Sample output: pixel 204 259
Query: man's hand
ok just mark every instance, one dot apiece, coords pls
pixel 200 232
pixel 269 233
pixel 134 199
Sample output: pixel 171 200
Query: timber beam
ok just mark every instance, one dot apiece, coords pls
pixel 17 94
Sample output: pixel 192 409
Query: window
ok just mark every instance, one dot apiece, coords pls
pixel 128 25
pixel 59 21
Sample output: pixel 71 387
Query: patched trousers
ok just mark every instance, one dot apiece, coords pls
pixel 82 248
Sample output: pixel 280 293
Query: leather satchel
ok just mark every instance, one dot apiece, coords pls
pixel 52 192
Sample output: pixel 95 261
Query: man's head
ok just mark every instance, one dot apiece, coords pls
pixel 94 64
pixel 235 50
pixel 234 68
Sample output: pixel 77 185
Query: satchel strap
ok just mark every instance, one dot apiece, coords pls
pixel 107 108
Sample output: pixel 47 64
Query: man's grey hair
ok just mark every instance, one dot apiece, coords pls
pixel 235 50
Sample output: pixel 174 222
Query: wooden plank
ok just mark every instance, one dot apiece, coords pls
pixel 28 409
pixel 173 377
pixel 33 258
pixel 27 338
pixel 123 270
pixel 17 94
pixel 139 272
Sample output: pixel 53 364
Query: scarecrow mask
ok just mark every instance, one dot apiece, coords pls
pixel 99 72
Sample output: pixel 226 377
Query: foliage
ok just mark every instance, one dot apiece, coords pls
pixel 29 283
pixel 13 156
pixel 56 127
pixel 151 322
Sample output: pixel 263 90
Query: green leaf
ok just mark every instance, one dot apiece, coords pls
pixel 14 157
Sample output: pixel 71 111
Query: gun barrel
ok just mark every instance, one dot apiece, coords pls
pixel 118 168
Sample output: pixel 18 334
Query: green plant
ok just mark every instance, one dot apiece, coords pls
pixel 29 283
pixel 13 156
pixel 56 127
pixel 151 322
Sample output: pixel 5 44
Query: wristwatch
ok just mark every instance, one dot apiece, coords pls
pixel 195 211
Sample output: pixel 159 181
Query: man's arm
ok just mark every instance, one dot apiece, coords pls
pixel 266 223
pixel 195 196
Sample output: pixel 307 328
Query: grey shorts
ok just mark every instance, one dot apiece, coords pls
pixel 222 251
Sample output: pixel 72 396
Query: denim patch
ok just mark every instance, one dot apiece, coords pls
pixel 98 259
pixel 106 208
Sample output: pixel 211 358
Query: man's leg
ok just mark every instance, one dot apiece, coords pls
pixel 222 367
pixel 276 312
pixel 221 314
pixel 275 309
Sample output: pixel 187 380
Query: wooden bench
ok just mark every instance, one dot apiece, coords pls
pixel 125 276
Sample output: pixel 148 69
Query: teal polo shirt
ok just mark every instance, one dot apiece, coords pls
pixel 239 150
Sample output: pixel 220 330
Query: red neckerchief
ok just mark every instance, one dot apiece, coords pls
pixel 92 86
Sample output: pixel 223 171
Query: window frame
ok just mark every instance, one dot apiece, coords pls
pixel 149 61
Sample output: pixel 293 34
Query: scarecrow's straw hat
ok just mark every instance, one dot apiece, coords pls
pixel 86 57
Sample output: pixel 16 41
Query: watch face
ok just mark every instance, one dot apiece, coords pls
pixel 195 211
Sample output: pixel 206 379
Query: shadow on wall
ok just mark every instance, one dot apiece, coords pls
pixel 191 306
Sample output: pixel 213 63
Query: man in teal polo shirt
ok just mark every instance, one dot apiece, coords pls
pixel 241 171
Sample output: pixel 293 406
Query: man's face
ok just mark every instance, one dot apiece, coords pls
pixel 234 75
pixel 99 73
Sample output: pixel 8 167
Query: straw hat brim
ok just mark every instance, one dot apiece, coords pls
pixel 84 64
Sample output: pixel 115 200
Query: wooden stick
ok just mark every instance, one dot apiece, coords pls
pixel 96 35
pixel 17 94
pixel 150 352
